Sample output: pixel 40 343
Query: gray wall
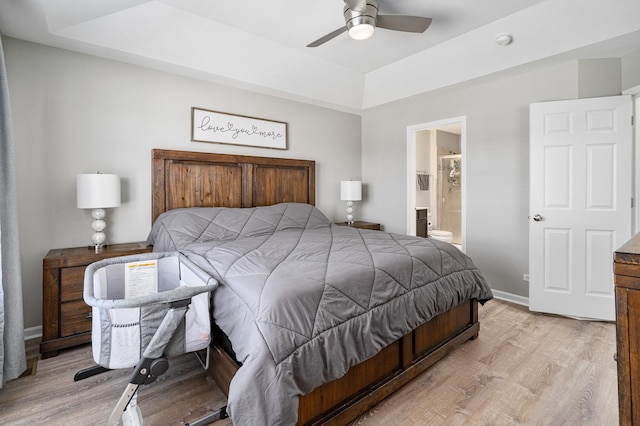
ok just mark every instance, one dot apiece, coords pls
pixel 423 164
pixel 497 155
pixel 631 70
pixel 75 113
pixel 599 77
pixel 497 163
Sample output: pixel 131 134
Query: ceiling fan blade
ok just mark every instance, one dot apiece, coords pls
pixel 411 24
pixel 356 5
pixel 328 37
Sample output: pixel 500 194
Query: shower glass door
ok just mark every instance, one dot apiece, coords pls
pixel 450 195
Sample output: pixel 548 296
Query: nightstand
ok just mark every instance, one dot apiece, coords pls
pixel 66 319
pixel 361 225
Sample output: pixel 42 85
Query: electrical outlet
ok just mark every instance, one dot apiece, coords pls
pixel 525 277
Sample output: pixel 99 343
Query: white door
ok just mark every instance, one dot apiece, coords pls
pixel 580 203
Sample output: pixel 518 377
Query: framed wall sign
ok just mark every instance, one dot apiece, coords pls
pixel 219 127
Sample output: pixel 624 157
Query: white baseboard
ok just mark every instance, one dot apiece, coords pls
pixel 513 298
pixel 32 333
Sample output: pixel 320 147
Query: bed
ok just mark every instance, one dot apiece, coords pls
pixel 299 343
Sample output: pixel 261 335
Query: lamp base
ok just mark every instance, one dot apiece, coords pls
pixel 98 225
pixel 349 213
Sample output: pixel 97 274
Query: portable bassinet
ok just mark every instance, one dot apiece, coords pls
pixel 146 308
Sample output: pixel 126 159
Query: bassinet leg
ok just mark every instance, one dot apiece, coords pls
pixel 88 372
pixel 209 418
pixel 132 416
pixel 121 406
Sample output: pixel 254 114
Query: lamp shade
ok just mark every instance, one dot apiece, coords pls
pixel 351 190
pixel 98 191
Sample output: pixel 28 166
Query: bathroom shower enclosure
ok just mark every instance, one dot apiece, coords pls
pixel 426 143
pixel 450 195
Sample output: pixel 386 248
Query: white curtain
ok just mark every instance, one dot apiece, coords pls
pixel 12 351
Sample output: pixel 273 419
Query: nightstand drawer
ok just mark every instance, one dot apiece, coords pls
pixel 75 317
pixel 72 283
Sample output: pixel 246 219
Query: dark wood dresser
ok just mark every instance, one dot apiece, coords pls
pixel 66 318
pixel 627 286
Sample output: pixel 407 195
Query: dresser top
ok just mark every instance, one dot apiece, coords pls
pixel 629 252
pixel 76 256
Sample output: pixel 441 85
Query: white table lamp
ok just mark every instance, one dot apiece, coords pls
pixel 350 191
pixel 98 191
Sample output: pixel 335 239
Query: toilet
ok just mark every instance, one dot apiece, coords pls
pixel 445 236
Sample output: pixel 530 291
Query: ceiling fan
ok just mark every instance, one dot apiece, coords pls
pixel 361 17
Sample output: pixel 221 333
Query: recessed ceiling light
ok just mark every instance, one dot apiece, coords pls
pixel 504 39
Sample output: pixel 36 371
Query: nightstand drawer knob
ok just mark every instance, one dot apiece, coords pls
pixel 90 315
pixel 615 357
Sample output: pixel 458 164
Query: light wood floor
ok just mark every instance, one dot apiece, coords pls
pixel 524 369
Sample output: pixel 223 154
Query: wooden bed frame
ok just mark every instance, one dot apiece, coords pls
pixel 195 179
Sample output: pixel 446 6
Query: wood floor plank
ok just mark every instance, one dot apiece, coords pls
pixel 524 369
pixel 51 397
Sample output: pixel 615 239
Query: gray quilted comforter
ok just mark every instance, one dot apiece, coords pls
pixel 302 299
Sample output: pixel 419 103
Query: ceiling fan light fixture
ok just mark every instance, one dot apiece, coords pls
pixel 361 20
pixel 361 31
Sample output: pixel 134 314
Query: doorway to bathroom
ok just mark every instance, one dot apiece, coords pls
pixel 436 180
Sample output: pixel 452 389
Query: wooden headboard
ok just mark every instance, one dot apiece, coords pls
pixel 197 179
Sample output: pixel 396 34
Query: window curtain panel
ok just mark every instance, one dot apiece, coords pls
pixel 12 349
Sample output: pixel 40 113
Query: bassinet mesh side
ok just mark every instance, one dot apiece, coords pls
pixel 122 344
pixel 120 335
